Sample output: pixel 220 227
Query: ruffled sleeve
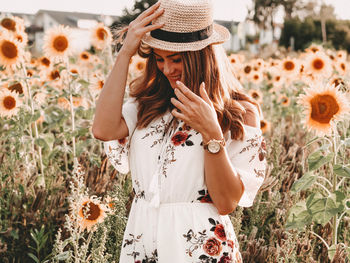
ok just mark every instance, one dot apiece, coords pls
pixel 248 158
pixel 118 150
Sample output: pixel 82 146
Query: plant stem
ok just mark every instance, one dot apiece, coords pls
pixel 335 187
pixel 71 109
pixel 36 132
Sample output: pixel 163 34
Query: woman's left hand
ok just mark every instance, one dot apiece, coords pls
pixel 197 112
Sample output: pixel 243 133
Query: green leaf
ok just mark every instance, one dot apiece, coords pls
pixel 341 170
pixel 322 208
pixel 331 251
pixel 33 257
pixel 303 183
pixel 316 160
pixel 298 216
pixel 41 143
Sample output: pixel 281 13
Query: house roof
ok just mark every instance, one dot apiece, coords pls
pixel 71 18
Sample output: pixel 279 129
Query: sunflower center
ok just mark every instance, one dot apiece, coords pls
pixel 54 75
pixel 247 69
pixel 278 78
pixel 101 34
pixel 323 108
pixel 255 95
pixel 233 60
pixel 84 56
pixel 9 24
pixel 9 49
pixel 19 38
pixel 92 210
pixel 140 66
pixel 60 43
pixel 45 61
pixel 100 84
pixel 318 64
pixel 289 65
pixel 9 102
pixel 16 87
pixel 256 77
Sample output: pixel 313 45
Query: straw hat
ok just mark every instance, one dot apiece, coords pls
pixel 188 26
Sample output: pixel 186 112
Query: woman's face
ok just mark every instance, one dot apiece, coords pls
pixel 170 63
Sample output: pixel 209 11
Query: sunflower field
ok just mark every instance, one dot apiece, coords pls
pixel 61 200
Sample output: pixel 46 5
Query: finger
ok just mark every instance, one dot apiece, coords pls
pixel 186 91
pixel 181 97
pixel 178 104
pixel 145 21
pixel 148 11
pixel 204 93
pixel 178 115
pixel 151 28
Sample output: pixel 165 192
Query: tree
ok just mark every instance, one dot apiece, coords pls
pixel 136 10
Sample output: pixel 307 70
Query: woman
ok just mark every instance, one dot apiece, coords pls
pixel 191 140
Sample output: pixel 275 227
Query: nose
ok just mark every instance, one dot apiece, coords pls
pixel 168 69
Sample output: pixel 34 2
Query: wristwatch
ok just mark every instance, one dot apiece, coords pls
pixel 214 146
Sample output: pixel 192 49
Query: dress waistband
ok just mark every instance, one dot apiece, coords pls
pixel 141 201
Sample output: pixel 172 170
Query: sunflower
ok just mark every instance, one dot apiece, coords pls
pixel 44 62
pixel 313 48
pixel 12 24
pixel 91 212
pixel 58 43
pixel 284 100
pixel 342 67
pixel 21 37
pixel 323 106
pixel 97 84
pixel 276 78
pixel 11 53
pixel 85 57
pixel 264 126
pixel 290 67
pixel 256 95
pixel 318 65
pixel 101 36
pixel 341 55
pixel 256 77
pixel 236 60
pixel 9 103
pixel 16 87
pixel 137 65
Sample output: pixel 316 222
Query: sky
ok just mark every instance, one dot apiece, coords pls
pixel 223 9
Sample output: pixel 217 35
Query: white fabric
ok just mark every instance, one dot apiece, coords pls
pixel 171 218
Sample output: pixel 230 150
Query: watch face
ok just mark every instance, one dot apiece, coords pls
pixel 214 147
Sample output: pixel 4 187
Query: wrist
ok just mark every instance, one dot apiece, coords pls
pixel 125 53
pixel 214 133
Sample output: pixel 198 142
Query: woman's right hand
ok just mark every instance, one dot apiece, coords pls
pixel 139 27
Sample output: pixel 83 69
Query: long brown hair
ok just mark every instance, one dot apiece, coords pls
pixel 153 92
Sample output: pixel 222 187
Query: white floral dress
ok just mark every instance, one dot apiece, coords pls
pixel 172 218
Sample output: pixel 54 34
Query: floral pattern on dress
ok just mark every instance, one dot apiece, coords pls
pixel 132 241
pixel 138 192
pixel 115 154
pixel 215 245
pixel 204 196
pixel 256 142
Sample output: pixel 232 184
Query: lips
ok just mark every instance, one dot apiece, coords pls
pixel 177 77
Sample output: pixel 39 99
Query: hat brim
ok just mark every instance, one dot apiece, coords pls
pixel 220 35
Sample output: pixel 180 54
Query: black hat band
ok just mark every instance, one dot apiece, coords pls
pixel 187 37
